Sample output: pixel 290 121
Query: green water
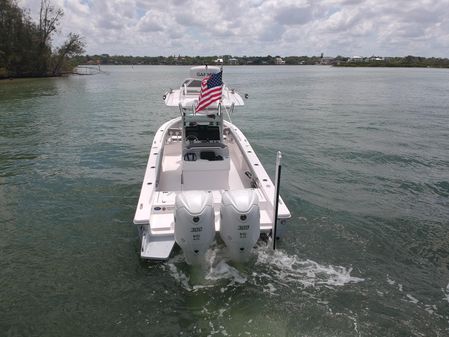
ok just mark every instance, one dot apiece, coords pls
pixel 365 175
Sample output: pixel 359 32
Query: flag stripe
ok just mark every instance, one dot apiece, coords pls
pixel 207 94
pixel 211 90
pixel 214 96
pixel 208 99
pixel 208 102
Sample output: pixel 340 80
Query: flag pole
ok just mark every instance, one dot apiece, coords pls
pixel 221 96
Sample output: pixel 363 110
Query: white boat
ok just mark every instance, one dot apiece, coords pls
pixel 203 180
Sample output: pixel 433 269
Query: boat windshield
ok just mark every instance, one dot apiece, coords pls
pixel 203 133
pixel 192 85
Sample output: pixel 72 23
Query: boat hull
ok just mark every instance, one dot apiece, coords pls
pixel 168 174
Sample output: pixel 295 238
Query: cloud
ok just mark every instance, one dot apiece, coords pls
pixel 257 27
pixel 292 15
pixel 272 33
pixel 152 21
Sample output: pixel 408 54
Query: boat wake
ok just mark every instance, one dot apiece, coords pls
pixel 271 270
pixel 291 269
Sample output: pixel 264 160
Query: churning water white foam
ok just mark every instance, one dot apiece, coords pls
pixel 268 269
pixel 290 268
pixel 215 271
pixel 447 293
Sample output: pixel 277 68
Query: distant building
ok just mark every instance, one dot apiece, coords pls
pixel 218 61
pixel 355 59
pixel 327 61
pixel 279 60
pixel 375 58
pixel 233 61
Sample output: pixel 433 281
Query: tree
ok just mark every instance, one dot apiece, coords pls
pixel 73 46
pixel 49 18
pixel 17 38
pixel 26 47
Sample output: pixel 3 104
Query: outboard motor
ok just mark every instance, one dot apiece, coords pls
pixel 240 222
pixel 194 224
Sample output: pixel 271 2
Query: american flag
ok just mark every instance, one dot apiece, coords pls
pixel 211 87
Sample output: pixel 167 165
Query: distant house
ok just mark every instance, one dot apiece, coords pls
pixel 218 61
pixel 355 59
pixel 375 58
pixel 233 61
pixel 279 60
pixel 327 61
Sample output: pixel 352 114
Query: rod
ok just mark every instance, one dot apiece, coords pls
pixel 276 196
pixel 228 112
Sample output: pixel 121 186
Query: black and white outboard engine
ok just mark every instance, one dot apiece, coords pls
pixel 240 222
pixel 194 224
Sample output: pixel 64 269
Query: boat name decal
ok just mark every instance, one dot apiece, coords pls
pixel 203 74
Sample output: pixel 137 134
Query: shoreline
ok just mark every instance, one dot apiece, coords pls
pixel 11 78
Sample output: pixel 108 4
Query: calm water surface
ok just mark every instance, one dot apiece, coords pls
pixel 366 177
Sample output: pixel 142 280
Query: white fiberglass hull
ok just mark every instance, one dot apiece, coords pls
pixel 167 174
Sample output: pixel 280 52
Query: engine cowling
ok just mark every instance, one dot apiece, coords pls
pixel 240 222
pixel 194 224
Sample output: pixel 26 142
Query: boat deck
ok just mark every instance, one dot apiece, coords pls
pixel 170 183
pixel 171 170
pixel 170 175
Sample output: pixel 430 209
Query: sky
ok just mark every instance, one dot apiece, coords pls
pixel 256 27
